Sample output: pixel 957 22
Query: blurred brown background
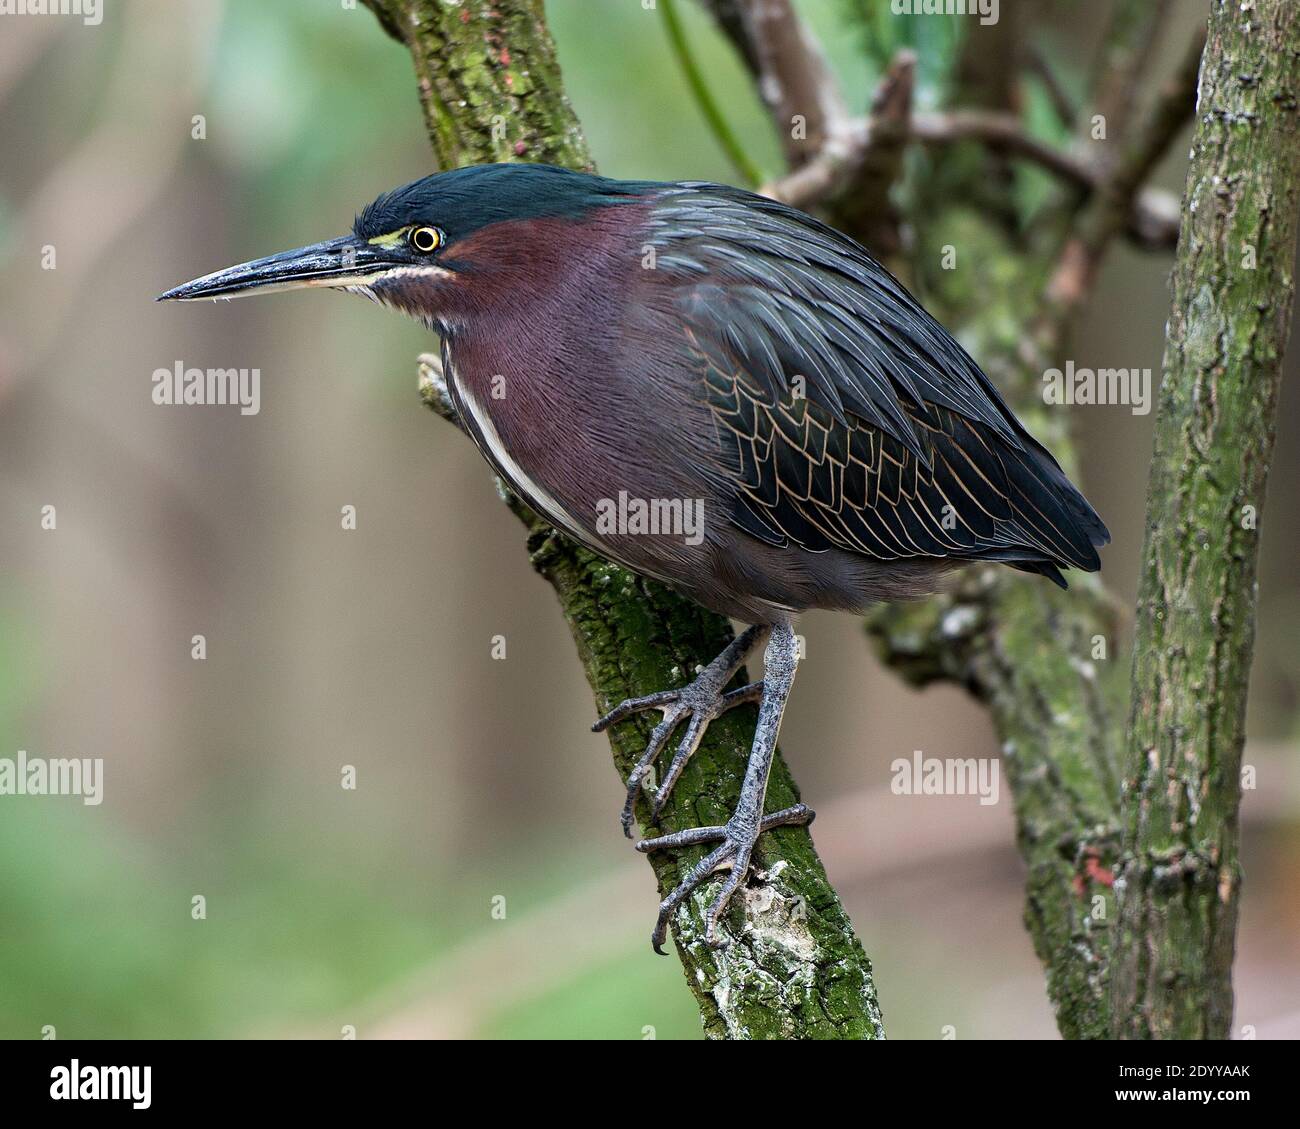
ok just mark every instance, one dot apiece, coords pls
pixel 477 778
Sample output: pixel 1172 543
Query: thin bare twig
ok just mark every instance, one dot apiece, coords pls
pixel 1127 46
pixel 1152 222
pixel 1005 133
pixel 826 172
pixel 1112 208
pixel 1062 104
pixel 704 98
pixel 794 80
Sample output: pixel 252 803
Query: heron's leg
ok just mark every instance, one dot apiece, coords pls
pixel 701 701
pixel 747 822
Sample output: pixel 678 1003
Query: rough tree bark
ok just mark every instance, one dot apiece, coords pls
pixel 1233 285
pixel 491 91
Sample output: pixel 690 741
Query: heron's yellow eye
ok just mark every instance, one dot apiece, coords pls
pixel 425 239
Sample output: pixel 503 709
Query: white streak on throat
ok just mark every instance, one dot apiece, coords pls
pixel 489 440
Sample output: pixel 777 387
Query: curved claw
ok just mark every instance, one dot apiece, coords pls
pixel 704 699
pixel 685 750
pixel 690 743
pixel 737 848
pixel 739 868
pixel 699 872
pixel 658 738
pixel 631 706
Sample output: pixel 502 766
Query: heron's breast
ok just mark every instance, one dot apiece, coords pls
pixel 524 439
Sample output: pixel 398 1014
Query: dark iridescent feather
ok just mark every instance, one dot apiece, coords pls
pixel 849 418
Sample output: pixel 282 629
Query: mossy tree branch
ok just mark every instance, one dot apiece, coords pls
pixel 491 90
pixel 1233 285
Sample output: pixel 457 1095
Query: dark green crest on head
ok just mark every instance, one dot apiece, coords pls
pixel 463 200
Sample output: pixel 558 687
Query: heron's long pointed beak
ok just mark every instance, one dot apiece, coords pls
pixel 346 261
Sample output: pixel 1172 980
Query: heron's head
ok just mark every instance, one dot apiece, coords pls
pixel 423 247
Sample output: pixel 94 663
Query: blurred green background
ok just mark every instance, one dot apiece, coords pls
pixel 479 783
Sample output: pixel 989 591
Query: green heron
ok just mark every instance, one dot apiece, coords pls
pixel 694 348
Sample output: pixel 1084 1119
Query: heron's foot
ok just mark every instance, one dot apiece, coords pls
pixel 701 701
pixel 705 698
pixel 738 839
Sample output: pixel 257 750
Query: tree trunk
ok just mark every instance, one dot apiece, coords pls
pixel 491 91
pixel 1232 291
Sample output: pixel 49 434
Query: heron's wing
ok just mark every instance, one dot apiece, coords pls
pixel 848 417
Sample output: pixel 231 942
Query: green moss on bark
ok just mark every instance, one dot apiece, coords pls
pixel 1232 292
